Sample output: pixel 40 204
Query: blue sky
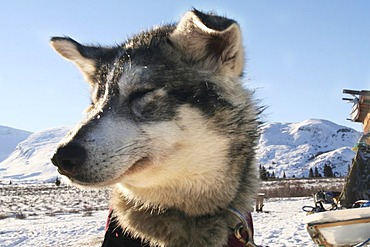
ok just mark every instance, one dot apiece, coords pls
pixel 300 54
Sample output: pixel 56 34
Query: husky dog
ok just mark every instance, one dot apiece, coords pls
pixel 170 127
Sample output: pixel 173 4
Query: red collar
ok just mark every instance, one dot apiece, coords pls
pixel 233 241
pixel 112 231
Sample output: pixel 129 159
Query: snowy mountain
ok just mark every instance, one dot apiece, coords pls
pixel 294 148
pixel 9 138
pixel 30 161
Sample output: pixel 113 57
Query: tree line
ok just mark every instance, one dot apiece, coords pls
pixel 312 173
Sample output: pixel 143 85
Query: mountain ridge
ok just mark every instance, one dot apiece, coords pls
pixel 9 138
pixel 294 148
pixel 30 160
pixel 290 148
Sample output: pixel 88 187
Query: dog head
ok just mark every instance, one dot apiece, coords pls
pixel 167 113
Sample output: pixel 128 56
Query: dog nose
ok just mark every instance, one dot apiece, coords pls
pixel 68 158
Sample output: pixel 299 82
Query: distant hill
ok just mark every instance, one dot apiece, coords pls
pixel 9 138
pixel 30 161
pixel 292 148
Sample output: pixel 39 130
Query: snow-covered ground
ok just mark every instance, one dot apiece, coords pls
pixel 46 215
pixel 282 226
pixel 59 231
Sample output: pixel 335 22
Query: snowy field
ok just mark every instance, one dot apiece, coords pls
pixel 282 226
pixel 46 215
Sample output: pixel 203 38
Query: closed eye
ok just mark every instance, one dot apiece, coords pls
pixel 139 94
pixel 143 103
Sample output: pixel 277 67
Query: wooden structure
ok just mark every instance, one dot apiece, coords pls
pixel 361 107
pixel 349 226
pixel 339 227
pixel 259 202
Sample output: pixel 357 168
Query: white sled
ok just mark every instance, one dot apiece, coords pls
pixel 347 227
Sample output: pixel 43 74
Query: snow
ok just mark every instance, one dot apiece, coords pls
pixel 47 215
pixel 292 148
pixel 66 216
pixel 9 138
pixel 30 161
pixel 40 214
pixel 65 230
pixel 283 224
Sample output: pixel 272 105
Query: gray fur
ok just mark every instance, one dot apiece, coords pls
pixel 170 127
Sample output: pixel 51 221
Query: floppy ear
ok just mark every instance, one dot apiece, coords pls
pixel 84 57
pixel 211 41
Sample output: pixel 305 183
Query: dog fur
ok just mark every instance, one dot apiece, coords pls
pixel 170 127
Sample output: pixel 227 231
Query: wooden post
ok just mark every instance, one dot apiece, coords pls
pixel 366 123
pixel 259 202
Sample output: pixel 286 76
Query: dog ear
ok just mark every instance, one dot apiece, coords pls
pixel 84 57
pixel 213 42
